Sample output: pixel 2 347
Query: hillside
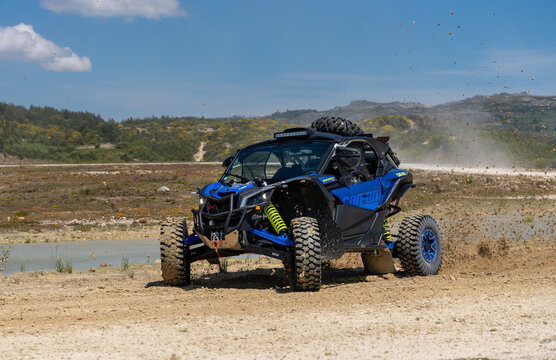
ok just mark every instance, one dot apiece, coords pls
pixel 519 111
pixel 501 130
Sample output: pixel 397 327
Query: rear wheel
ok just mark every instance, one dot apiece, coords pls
pixel 308 263
pixel 420 245
pixel 174 261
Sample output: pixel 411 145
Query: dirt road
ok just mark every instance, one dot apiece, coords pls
pixel 499 303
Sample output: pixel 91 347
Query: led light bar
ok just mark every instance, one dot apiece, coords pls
pixel 288 134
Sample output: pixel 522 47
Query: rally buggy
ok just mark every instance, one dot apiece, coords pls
pixel 307 195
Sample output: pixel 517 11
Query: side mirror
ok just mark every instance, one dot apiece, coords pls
pixel 227 161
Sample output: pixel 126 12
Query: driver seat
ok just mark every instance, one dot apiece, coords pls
pixel 288 172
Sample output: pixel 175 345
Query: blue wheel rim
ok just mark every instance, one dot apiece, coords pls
pixel 428 245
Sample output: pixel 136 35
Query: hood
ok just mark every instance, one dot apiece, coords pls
pixel 219 191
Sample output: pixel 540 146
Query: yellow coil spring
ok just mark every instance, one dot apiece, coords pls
pixel 387 235
pixel 275 219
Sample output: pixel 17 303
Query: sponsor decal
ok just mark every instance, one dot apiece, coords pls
pixel 327 179
pixel 362 199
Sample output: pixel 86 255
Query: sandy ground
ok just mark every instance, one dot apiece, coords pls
pixel 494 304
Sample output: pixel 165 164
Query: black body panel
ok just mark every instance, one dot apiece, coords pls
pixel 360 227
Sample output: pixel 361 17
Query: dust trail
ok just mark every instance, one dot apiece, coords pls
pixel 481 170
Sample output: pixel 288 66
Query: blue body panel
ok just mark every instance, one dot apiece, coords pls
pixel 280 240
pixel 191 239
pixel 390 245
pixel 366 194
pixel 370 194
pixel 221 190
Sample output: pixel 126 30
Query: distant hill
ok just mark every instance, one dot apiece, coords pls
pixel 519 110
pixel 500 130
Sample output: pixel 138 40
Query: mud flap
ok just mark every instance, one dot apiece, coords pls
pixel 378 262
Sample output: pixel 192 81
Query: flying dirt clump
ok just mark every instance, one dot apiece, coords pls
pixel 488 249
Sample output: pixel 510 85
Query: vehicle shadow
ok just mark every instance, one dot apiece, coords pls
pixel 258 279
pixel 273 278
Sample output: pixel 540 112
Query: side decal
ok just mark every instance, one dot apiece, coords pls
pixel 362 199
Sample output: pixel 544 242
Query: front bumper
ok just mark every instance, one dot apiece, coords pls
pixel 221 215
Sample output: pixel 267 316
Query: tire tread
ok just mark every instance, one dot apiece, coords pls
pixel 409 245
pixel 172 252
pixel 336 125
pixel 308 263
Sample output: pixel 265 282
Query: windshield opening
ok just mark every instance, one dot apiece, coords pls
pixel 275 163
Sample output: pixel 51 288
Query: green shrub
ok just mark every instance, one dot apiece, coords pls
pixel 63 264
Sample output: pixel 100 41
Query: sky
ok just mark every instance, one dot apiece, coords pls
pixel 122 58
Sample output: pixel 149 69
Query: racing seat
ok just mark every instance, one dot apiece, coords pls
pixel 288 172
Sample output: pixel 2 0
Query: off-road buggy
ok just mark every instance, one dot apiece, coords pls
pixel 305 196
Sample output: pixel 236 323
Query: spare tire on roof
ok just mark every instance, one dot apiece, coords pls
pixel 336 125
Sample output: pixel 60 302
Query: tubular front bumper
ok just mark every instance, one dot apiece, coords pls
pixel 226 221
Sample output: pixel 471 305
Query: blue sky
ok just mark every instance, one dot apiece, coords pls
pixel 218 58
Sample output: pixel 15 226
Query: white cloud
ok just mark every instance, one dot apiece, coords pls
pixel 152 9
pixel 21 42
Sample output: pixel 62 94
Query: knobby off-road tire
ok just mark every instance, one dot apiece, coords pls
pixel 416 236
pixel 336 125
pixel 173 258
pixel 308 263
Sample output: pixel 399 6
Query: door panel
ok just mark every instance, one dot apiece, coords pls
pixel 367 195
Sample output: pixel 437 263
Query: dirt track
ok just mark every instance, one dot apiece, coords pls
pixel 501 304
pixel 494 298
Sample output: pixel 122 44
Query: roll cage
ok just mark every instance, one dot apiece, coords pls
pixel 379 161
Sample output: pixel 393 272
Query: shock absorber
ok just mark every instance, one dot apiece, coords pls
pixel 387 235
pixel 275 219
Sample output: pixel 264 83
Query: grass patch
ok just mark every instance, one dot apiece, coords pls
pixel 63 264
pixel 83 228
pixel 125 262
pixel 21 213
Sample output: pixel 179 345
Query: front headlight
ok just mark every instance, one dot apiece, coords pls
pixel 261 198
pixel 201 202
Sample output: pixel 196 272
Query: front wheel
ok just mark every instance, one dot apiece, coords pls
pixel 307 261
pixel 420 245
pixel 174 262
